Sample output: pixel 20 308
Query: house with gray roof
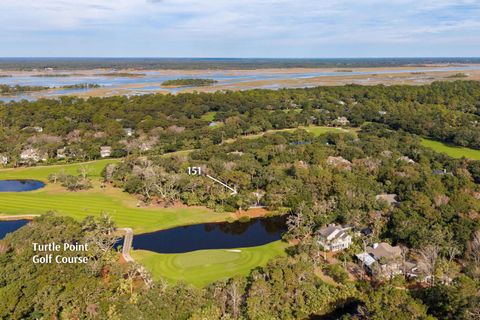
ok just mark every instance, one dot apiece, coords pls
pixel 442 172
pixel 334 237
pixel 385 261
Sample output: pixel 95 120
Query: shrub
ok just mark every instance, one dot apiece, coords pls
pixel 337 272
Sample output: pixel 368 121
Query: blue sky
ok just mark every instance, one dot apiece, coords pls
pixel 239 28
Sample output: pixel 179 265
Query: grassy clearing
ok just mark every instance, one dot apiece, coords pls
pixel 319 130
pixel 206 266
pixel 177 153
pixel 452 150
pixel 41 172
pixel 315 130
pixel 121 206
pixel 209 116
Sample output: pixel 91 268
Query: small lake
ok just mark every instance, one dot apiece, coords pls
pixel 10 226
pixel 225 235
pixel 20 185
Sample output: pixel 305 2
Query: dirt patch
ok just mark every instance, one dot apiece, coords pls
pixel 252 213
pixel 325 278
pixel 121 259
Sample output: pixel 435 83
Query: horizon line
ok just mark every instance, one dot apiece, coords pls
pixel 219 57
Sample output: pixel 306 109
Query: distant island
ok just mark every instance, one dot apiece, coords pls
pixel 189 82
pixel 51 75
pixel 121 74
pixel 81 86
pixel 458 75
pixel 5 89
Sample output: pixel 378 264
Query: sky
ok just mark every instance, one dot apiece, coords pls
pixel 240 28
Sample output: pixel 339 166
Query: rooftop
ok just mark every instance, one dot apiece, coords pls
pixel 390 198
pixel 384 250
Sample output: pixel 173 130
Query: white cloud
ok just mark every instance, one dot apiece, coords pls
pixel 255 23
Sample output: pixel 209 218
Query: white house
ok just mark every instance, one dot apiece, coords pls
pixel 32 155
pixel 61 153
pixel 342 121
pixel 406 159
pixel 105 151
pixel 4 159
pixel 35 128
pixel 128 131
pixel 334 237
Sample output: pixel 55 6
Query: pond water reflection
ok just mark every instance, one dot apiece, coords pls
pixel 225 235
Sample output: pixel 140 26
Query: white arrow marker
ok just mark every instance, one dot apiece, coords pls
pixel 234 191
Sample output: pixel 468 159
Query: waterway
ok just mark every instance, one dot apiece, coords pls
pixel 147 81
pixel 224 235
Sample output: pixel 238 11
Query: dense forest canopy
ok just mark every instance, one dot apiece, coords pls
pixel 448 112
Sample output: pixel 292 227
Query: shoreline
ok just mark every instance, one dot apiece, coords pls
pixel 268 78
pixel 19 217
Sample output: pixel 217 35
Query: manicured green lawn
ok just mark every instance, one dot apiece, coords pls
pixel 206 266
pixel 120 205
pixel 42 172
pixel 315 130
pixel 451 150
pixel 319 130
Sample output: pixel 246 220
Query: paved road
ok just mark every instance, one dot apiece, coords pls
pixel 127 244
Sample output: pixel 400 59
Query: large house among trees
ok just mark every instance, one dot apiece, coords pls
pixel 385 261
pixel 33 155
pixel 334 237
pixel 105 151
pixel 4 159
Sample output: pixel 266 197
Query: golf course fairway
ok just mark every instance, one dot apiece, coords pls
pixel 121 206
pixel 452 150
pixel 206 266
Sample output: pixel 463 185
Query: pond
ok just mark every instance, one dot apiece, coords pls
pixel 20 185
pixel 10 226
pixel 225 235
